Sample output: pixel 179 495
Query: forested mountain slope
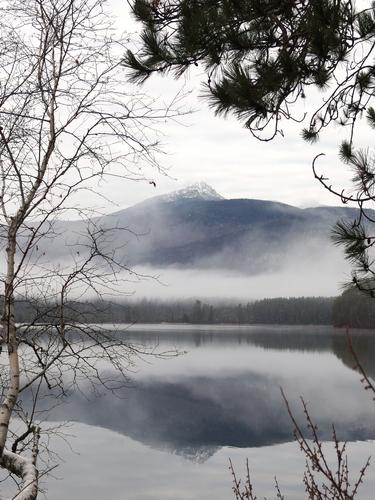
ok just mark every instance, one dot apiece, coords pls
pixel 197 227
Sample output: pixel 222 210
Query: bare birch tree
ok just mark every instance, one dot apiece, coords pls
pixel 66 120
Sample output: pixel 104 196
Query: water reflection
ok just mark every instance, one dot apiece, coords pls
pixel 225 391
pixel 126 469
pixel 281 337
pixel 364 347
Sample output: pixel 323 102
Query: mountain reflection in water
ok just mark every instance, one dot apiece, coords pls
pixel 226 390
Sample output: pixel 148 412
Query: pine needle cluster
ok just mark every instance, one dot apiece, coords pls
pixel 258 55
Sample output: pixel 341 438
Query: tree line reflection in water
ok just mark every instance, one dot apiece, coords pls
pixel 230 395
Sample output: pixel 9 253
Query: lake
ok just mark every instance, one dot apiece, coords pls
pixel 171 432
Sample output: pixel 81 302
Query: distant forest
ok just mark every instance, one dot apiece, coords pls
pixel 352 309
pixel 291 311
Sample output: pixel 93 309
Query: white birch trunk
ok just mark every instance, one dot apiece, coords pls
pixel 26 470
pixel 10 339
pixel 22 467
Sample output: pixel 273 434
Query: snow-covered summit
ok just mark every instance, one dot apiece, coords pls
pixel 197 191
pixel 200 190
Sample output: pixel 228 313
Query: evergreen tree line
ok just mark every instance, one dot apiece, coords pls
pixel 296 311
pixel 351 309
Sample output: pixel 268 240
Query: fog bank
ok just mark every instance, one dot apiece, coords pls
pixel 312 278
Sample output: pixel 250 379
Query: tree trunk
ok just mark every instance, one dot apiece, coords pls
pixel 10 338
pixel 14 463
pixel 24 469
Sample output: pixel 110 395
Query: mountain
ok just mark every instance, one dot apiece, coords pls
pixel 196 227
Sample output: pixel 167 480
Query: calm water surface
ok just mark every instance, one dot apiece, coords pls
pixel 171 433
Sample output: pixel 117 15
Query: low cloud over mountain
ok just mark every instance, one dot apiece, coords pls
pixel 198 230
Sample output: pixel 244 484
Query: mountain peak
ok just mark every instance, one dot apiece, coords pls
pixel 200 190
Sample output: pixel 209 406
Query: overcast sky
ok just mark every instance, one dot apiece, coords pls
pixel 221 152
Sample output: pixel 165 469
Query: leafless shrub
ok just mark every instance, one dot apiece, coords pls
pixel 323 478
